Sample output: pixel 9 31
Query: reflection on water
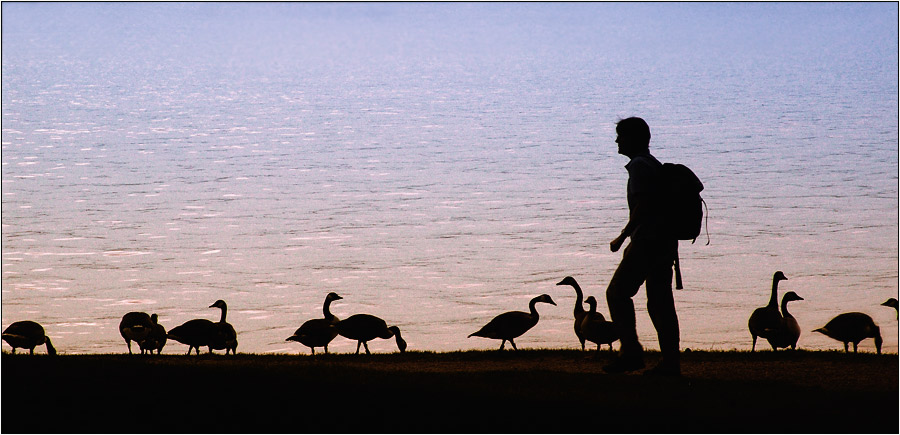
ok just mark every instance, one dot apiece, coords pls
pixel 160 157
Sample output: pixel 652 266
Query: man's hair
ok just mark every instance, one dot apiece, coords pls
pixel 634 127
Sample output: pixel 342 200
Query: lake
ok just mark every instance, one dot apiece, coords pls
pixel 437 164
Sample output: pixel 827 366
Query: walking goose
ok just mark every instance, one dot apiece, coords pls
pixel 768 317
pixel 223 335
pixel 596 328
pixel 318 332
pixel 156 339
pixel 579 307
pixel 26 334
pixel 852 328
pixel 892 302
pixel 135 326
pixel 194 333
pixel 789 332
pixel 365 327
pixel 512 324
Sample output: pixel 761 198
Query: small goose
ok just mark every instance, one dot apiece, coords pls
pixel 892 302
pixel 26 335
pixel 512 324
pixel 596 328
pixel 135 326
pixel 789 331
pixel 852 328
pixel 579 307
pixel 365 327
pixel 768 317
pixel 223 335
pixel 156 339
pixel 318 332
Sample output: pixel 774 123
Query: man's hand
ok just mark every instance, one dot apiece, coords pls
pixel 617 243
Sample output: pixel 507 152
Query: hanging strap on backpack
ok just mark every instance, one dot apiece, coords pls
pixel 678 283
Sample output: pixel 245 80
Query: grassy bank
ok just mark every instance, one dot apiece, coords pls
pixel 548 391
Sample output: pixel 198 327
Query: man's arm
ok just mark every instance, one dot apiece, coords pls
pixel 636 215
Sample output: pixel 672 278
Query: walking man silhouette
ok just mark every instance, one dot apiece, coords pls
pixel 649 258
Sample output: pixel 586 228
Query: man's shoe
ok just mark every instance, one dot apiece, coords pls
pixel 624 364
pixel 663 369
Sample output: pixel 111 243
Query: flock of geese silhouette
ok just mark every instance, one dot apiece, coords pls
pixel 779 328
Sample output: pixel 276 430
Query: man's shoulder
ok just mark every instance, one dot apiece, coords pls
pixel 643 162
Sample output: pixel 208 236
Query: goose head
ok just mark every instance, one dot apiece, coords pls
pixel 592 303
pixel 52 350
pixel 892 302
pixel 154 318
pixel 333 297
pixel 779 276
pixel 568 281
pixel 401 343
pixel 219 304
pixel 791 296
pixel 546 299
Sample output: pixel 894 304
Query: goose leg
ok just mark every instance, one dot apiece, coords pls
pixel 326 349
pixel 854 346
pixel 357 346
pixel 753 348
pixel 128 342
pixel 313 350
pixel 846 348
pixel 366 345
pixel 502 343
pixel 513 343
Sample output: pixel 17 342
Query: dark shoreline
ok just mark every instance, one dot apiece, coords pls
pixel 529 391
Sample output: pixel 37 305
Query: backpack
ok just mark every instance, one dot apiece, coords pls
pixel 682 207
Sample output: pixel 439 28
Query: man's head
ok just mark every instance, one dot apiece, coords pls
pixel 633 136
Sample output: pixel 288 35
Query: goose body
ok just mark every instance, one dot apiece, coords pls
pixel 852 328
pixel 156 339
pixel 194 333
pixel 579 307
pixel 766 318
pixel 223 335
pixel 135 326
pixel 26 334
pixel 787 334
pixel 512 324
pixel 596 328
pixel 318 332
pixel 366 327
pixel 892 302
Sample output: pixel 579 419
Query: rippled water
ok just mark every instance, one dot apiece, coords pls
pixel 437 164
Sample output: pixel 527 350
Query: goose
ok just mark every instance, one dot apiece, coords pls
pixel 156 339
pixel 194 333
pixel 768 317
pixel 318 332
pixel 789 332
pixel 579 307
pixel 892 302
pixel 223 335
pixel 135 326
pixel 512 324
pixel 596 328
pixel 852 328
pixel 27 334
pixel 365 327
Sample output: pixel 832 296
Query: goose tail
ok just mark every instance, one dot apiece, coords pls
pixel 820 331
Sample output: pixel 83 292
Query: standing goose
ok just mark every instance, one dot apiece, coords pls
pixel 318 332
pixel 156 339
pixel 789 332
pixel 768 317
pixel 892 302
pixel 194 333
pixel 27 335
pixel 365 327
pixel 596 328
pixel 512 324
pixel 223 335
pixel 852 328
pixel 579 307
pixel 135 326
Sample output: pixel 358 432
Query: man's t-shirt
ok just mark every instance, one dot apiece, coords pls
pixel 643 180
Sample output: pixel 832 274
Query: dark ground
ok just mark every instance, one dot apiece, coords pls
pixel 546 391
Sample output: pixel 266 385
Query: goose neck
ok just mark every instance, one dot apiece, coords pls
pixel 326 309
pixel 532 306
pixel 224 312
pixel 773 299
pixel 579 298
